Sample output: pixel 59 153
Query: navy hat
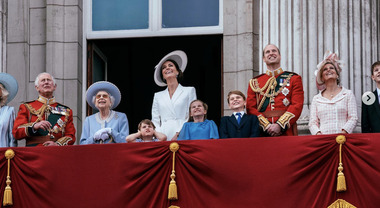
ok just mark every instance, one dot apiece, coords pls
pixel 10 84
pixel 103 86
pixel 178 56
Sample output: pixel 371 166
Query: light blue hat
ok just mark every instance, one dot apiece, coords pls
pixel 10 84
pixel 103 86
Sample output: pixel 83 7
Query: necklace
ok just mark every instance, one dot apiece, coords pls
pixel 333 93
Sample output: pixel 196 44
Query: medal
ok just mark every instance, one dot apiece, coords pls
pixel 59 110
pixel 60 122
pixel 285 101
pixel 281 82
pixel 285 91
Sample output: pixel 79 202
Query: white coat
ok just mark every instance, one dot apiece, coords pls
pixel 168 115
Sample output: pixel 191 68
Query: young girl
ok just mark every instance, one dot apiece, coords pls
pixel 198 127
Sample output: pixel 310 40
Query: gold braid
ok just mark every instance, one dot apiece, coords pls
pixel 269 91
pixel 39 113
pixel 269 88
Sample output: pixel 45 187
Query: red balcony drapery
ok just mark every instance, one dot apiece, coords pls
pixel 297 171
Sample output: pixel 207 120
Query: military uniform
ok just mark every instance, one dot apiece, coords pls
pixel 61 118
pixel 276 97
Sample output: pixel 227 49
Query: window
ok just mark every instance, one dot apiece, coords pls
pixel 190 13
pixel 144 18
pixel 120 14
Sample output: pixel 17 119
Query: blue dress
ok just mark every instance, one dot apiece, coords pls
pixel 7 117
pixel 201 130
pixel 117 121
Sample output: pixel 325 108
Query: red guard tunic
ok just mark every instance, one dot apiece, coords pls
pixel 61 118
pixel 276 97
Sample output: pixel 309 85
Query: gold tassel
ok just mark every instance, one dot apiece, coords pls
pixel 341 180
pixel 9 154
pixel 173 206
pixel 172 188
pixel 172 195
pixel 340 203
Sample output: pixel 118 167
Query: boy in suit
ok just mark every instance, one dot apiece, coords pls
pixel 239 124
pixel 371 113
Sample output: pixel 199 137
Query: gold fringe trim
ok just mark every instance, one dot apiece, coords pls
pixel 340 203
pixel 9 154
pixel 173 206
pixel 341 181
pixel 172 195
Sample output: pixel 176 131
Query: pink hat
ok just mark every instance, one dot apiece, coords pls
pixel 329 57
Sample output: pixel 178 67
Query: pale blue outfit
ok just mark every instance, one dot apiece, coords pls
pixel 200 130
pixel 140 140
pixel 117 121
pixel 7 117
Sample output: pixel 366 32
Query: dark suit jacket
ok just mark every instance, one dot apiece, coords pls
pixel 229 128
pixel 371 116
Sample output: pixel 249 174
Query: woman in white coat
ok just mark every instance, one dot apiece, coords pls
pixel 170 106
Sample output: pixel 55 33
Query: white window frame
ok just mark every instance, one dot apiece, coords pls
pixel 154 29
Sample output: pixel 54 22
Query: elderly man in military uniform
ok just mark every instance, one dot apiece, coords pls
pixel 275 97
pixel 44 121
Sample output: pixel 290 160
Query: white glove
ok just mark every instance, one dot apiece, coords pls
pixel 102 134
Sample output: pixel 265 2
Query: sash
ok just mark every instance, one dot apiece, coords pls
pixel 278 88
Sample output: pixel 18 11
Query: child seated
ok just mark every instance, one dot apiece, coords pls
pixel 146 133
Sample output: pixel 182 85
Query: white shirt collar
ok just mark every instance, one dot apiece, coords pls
pixel 241 112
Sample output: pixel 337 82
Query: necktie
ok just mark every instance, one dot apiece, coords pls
pixel 238 117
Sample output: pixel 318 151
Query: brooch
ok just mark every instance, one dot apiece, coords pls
pixel 285 101
pixel 285 91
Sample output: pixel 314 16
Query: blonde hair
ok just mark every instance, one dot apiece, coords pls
pixel 205 106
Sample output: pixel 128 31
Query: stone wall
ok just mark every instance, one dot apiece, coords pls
pixel 46 36
pixel 303 30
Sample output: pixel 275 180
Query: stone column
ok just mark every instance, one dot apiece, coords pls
pixel 240 45
pixel 305 29
pixel 64 53
pixel 3 34
pixel 46 36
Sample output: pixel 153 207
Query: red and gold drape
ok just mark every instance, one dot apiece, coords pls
pixel 299 171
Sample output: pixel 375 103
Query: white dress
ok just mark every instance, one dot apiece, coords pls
pixel 168 115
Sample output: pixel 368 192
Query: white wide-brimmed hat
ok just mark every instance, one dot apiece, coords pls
pixel 178 56
pixel 10 84
pixel 103 86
